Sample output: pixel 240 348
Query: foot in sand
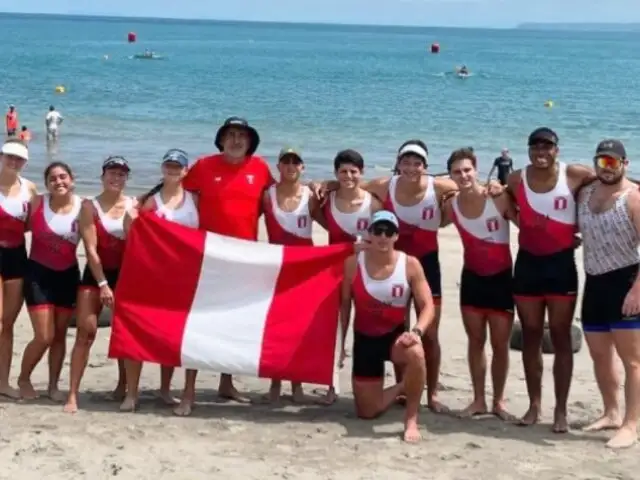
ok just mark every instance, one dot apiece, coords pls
pixel 477 407
pixel 9 392
pixel 297 396
pixel 560 424
pixel 71 406
pixel 27 392
pixel 230 393
pixel 271 398
pixel 55 395
pixel 500 411
pixel 608 421
pixel 412 433
pixel 625 437
pixel 168 399
pixel 129 404
pixel 436 407
pixel 530 418
pixel 184 409
pixel 119 393
pixel 328 399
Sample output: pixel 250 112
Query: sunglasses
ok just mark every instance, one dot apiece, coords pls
pixel 606 161
pixel 378 230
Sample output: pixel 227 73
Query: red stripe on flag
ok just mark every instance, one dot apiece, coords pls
pixel 299 338
pixel 157 283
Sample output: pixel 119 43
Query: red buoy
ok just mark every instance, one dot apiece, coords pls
pixel 435 48
pixel 131 37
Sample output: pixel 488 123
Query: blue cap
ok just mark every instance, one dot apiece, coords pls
pixel 175 155
pixel 384 216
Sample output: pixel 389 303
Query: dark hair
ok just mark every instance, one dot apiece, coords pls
pixel 24 128
pixel 146 196
pixel 13 139
pixel 462 154
pixel 348 157
pixel 61 165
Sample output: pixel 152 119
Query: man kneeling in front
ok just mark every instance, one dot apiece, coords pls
pixel 380 281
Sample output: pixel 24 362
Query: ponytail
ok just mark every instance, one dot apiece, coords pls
pixel 142 199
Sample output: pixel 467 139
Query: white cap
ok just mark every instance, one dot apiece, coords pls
pixel 415 149
pixel 16 149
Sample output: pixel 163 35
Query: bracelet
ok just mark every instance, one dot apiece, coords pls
pixel 103 283
pixel 417 331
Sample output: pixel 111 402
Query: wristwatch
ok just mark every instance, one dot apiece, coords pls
pixel 417 331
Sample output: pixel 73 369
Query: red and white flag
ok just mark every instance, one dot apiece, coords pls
pixel 189 298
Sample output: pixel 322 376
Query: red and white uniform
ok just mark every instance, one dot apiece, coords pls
pixel 380 305
pixel 485 239
pixel 419 223
pixel 13 216
pixel 55 236
pixel 346 227
pixel 289 228
pixel 186 214
pixel 547 220
pixel 110 233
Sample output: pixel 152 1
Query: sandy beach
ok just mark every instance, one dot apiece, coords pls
pixel 302 442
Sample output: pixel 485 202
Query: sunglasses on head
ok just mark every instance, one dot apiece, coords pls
pixel 383 228
pixel 606 161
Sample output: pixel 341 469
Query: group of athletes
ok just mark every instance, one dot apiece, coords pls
pixel 394 222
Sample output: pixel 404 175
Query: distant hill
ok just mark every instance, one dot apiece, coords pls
pixel 582 27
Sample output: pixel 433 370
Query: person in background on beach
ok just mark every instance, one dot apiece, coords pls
pixel 545 276
pixel 102 232
pixel 52 277
pixel 231 185
pixel 347 212
pixel 16 193
pixel 11 121
pixel 486 297
pixel 609 221
pixel 25 135
pixel 170 201
pixel 52 121
pixel 380 282
pixel 289 210
pixel 504 165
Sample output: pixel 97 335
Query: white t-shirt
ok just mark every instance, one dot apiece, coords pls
pixel 53 120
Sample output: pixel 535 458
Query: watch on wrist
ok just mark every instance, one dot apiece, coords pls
pixel 417 331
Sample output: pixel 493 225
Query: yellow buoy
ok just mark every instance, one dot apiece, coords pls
pixel 548 104
pixel 60 89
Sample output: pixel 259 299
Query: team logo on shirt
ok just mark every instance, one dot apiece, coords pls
pixel 397 291
pixel 250 179
pixel 492 224
pixel 362 224
pixel 303 221
pixel 560 203
pixel 428 213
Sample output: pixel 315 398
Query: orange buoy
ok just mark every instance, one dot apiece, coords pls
pixel 435 48
pixel 131 37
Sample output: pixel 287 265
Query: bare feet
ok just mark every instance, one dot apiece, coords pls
pixel 625 437
pixel 129 404
pixel 411 432
pixel 477 407
pixel 184 409
pixel 530 418
pixel 55 395
pixel 119 393
pixel 9 392
pixel 71 406
pixel 436 407
pixel 232 394
pixel 609 421
pixel 501 412
pixel 560 424
pixel 297 395
pixel 271 398
pixel 168 399
pixel 328 399
pixel 27 392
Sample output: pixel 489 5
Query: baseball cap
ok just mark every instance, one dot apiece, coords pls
pixel 116 161
pixel 175 155
pixel 414 149
pixel 384 216
pixel 611 147
pixel 543 135
pixel 15 149
pixel 289 151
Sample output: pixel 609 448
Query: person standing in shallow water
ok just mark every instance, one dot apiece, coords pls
pixel 609 220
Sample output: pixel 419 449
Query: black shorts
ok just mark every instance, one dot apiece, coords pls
pixel 13 262
pixel 11 132
pixel 88 281
pixel 370 353
pixel 545 276
pixel 602 301
pixel 44 287
pixel 431 267
pixel 487 293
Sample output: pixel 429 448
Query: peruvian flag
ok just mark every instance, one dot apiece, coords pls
pixel 189 298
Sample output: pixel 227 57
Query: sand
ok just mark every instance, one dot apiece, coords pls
pixel 37 440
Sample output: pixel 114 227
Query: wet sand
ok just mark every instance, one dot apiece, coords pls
pixel 38 440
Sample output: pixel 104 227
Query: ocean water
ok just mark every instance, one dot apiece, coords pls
pixel 319 87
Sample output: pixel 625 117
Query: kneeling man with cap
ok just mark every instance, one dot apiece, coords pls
pixel 380 281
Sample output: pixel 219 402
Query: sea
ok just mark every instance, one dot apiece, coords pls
pixel 321 88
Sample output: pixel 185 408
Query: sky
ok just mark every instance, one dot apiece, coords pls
pixel 463 13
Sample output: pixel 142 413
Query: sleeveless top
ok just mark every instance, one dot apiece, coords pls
pixel 13 216
pixel 380 306
pixel 419 223
pixel 485 239
pixel 609 239
pixel 55 236
pixel 289 228
pixel 186 214
pixel 110 233
pixel 547 220
pixel 346 227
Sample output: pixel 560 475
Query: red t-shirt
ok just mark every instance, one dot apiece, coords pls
pixel 230 194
